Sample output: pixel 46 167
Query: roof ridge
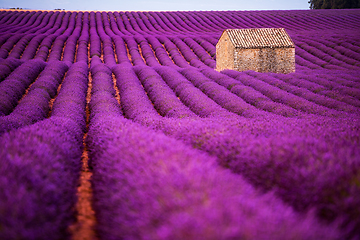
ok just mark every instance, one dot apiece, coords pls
pixel 260 38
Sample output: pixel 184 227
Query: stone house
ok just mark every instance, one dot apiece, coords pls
pixel 257 49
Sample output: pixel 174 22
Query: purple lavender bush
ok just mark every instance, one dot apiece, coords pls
pixel 177 149
pixel 39 173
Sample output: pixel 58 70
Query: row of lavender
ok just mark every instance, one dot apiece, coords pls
pixel 192 22
pixel 278 143
pixel 188 151
pixel 177 53
pixel 40 160
pixel 160 188
pixel 32 33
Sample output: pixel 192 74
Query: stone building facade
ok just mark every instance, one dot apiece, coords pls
pixel 257 49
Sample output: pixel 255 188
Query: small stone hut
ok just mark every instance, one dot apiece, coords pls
pixel 257 49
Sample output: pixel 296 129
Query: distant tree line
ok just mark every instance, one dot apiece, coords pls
pixel 334 4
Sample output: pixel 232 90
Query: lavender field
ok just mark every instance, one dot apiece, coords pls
pixel 173 148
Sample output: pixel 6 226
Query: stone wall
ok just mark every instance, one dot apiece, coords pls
pixel 224 54
pixel 277 60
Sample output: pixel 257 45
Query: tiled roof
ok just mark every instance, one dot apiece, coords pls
pixel 260 38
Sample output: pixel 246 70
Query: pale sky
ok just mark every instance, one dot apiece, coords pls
pixel 156 5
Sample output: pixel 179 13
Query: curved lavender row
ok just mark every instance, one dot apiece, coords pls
pixel 191 96
pixel 20 46
pixel 278 95
pixel 125 21
pixel 120 48
pixel 147 52
pixel 200 52
pixel 348 79
pixel 40 20
pixel 7 66
pixel 318 89
pixel 210 48
pixel 310 163
pixel 184 21
pixel 300 61
pixel 103 100
pixel 48 41
pixel 17 18
pixel 120 25
pixel 82 49
pixel 8 46
pixel 177 21
pixel 153 23
pixel 31 22
pixel 54 23
pixel 220 94
pixel 211 39
pixel 178 24
pixel 39 24
pixel 314 59
pixel 4 38
pixel 14 86
pixel 147 23
pixel 173 51
pixel 95 43
pixel 224 24
pixel 156 20
pixel 121 51
pixel 351 46
pixel 35 105
pixel 347 57
pixel 58 45
pixel 139 21
pixel 72 41
pixel 134 23
pixel 171 25
pixel 170 191
pixel 107 43
pixel 71 101
pixel 332 85
pixel 218 23
pixel 304 93
pixel 160 53
pixel 322 59
pixel 164 99
pixel 204 23
pixel 193 23
pixel 33 45
pixel 11 29
pixel 39 172
pixel 26 18
pixel 189 55
pixel 133 48
pixel 249 94
pixel 318 52
pixel 135 104
pixel 5 16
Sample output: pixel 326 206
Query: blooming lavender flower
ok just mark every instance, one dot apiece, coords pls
pixel 71 100
pixel 134 101
pixel 155 192
pixel 14 86
pixel 39 173
pixel 177 149
pixel 35 105
pixel 7 66
pixel 163 98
